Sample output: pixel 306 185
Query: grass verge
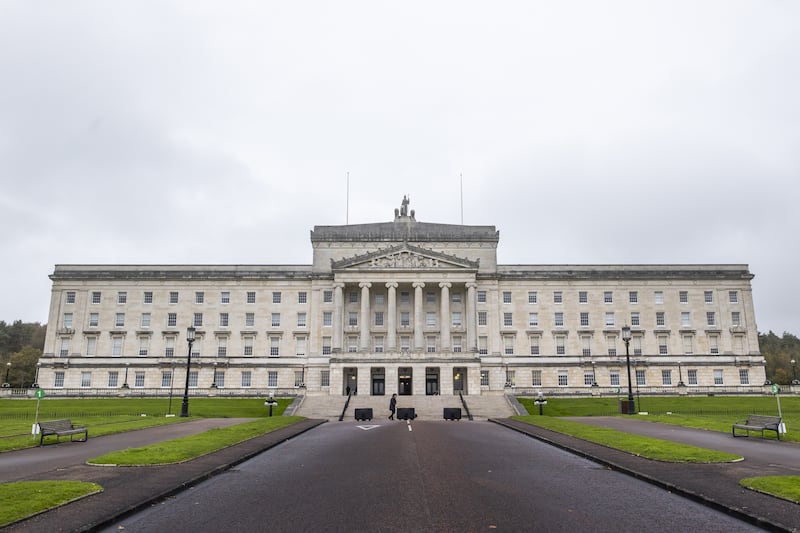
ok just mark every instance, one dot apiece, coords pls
pixel 786 487
pixel 26 498
pixel 186 448
pixel 647 447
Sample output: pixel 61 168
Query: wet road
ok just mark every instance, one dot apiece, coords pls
pixel 424 476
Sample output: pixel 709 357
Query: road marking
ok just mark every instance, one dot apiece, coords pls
pixel 408 422
pixel 367 428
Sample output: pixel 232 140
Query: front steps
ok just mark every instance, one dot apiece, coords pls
pixel 425 407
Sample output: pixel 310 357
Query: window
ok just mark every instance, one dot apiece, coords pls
pixel 193 378
pixel 691 377
pixel 172 320
pixel 404 297
pixel 327 319
pixel 95 298
pixel 302 297
pixel 744 376
pixel 718 377
pixel 482 320
pixel 609 319
pixel 536 378
pixel 683 297
pixel 484 378
pixel 199 297
pixel 274 346
pixel 326 345
pixel 145 321
pixel 533 297
pixel 586 345
pixel 483 345
pixel 70 299
pixel 713 344
pixel 222 346
pixel 301 320
pixel 327 298
pixel 173 297
pixel 658 296
pixel 736 318
pixel 511 378
pixel 276 297
pixel 635 318
pixel 138 379
pixel 247 345
pixel 611 342
pixel 660 320
pixel 225 297
pixel 67 320
pixel 405 343
pixel 198 320
pixel 196 347
pixel 430 297
pixel 533 319
pixel 169 346
pixel 637 344
pixel 378 344
pixel 583 297
pixel 353 297
pixel 251 297
pixel 506 297
pixel 430 319
pixel 641 378
pixel 272 378
pixel 166 378
pixel 247 378
pixel 379 298
pixel 430 343
pixel 558 297
pixel 58 379
pixel 608 297
pixel 613 378
pixel 733 297
pixel 534 341
pixel 481 297
pixel 563 378
pixel 558 320
pixel 276 320
pixel 113 379
pixel 379 318
pixel 458 344
pixel 456 319
pixel 249 320
pixel 64 350
pixel 588 377
pixel 120 320
pixel 560 345
pixel 708 297
pixel 352 344
pixel 686 319
pixel 300 345
pixel 223 320
pixel 352 319
pixel 508 344
pixel 86 379
pixel 94 320
pixel 711 318
pixel 405 319
pixel 91 345
pixel 144 345
pixel 584 319
pixel 666 377
pixel 325 378
pixel 122 297
pixel 633 297
pixel 508 319
pixel 663 347
pixel 455 297
pixel 688 344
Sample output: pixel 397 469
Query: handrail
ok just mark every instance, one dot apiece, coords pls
pixel 464 403
pixel 346 403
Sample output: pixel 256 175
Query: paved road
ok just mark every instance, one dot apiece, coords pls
pixel 427 476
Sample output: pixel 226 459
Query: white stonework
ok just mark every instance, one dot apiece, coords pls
pixel 402 306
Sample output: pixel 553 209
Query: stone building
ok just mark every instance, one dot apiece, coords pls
pixel 403 306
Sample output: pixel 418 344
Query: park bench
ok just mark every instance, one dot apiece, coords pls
pixel 758 423
pixel 59 428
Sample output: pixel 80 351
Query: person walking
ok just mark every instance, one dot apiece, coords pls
pixel 392 406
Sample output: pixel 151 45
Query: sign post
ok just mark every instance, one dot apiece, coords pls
pixel 775 390
pixel 39 394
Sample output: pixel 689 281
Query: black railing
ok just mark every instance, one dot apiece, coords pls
pixel 464 403
pixel 346 404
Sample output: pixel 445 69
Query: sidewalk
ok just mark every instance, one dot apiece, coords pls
pixel 126 489
pixel 716 485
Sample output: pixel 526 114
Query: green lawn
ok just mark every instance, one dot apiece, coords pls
pixel 786 487
pixel 26 498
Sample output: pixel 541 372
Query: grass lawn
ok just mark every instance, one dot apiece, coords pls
pixel 786 487
pixel 26 498
pixel 186 448
pixel 647 447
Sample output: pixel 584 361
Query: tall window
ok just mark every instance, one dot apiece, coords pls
pixel 744 376
pixel 327 298
pixel 560 345
pixel 302 297
pixel 58 379
pixel 249 320
pixel 70 298
pixel 325 378
pixel 660 320
pixel 225 297
pixel 301 320
pixel 272 378
pixel 198 320
pixel 633 297
pixel 558 297
pixel 691 377
pixel 353 296
pixel 483 345
pixel 686 319
pixel 166 378
pixel 608 297
pixel 609 319
pixel 405 320
pixel 666 377
pixel 327 319
pixel 120 321
pixel 711 318
pixel 713 344
pixel 536 378
pixel 276 297
pixel 352 344
pixel 583 297
pixel 507 297
pixel 122 297
pixel 378 343
pixel 172 320
pixel 532 297
pixel 688 344
pixel 641 378
pixel 67 320
pixel 173 297
pixel 635 318
pixel 247 378
pixel 352 319
pixel 736 318
pixel 456 319
pixel 708 297
pixel 145 321
pixel 300 345
pixel 431 343
pixel 733 297
pixel 586 345
pixel 481 297
pixel 482 320
pixel 458 345
pixel 86 379
pixel 430 319
pixel 663 346
pixel 247 345
pixel 199 297
pixel 611 342
pixel 430 297
pixel 95 298
pixel 379 318
pixel 274 346
pixel 94 319
pixel 563 378
pixel 613 377
pixel 276 320
pixel 169 346
pixel 223 320
pixel 558 320
pixel 64 350
pixel 113 379
pixel 508 319
pixel 222 346
pixel 91 345
pixel 144 345
pixel 533 319
pixel 116 346
pixel 658 297
pixel 683 297
pixel 484 378
pixel 138 379
pixel 508 344
pixel 326 345
pixel 251 297
pixel 584 320
pixel 718 377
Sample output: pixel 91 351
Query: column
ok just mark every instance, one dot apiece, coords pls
pixel 338 312
pixel 445 317
pixel 419 336
pixel 472 337
pixel 364 321
pixel 391 318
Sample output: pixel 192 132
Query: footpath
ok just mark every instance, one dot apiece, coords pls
pixel 128 489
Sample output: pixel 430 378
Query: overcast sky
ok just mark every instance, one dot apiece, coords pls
pixel 159 132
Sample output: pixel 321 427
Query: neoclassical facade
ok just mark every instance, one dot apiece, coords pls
pixel 404 306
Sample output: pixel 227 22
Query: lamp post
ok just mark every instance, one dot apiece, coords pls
pixel 680 376
pixel 626 338
pixel 190 341
pixel 214 379
pixel 8 369
pixel 125 385
pixel 794 372
pixel 594 375
pixel 36 380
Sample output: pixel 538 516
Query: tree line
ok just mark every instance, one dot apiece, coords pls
pixel 21 344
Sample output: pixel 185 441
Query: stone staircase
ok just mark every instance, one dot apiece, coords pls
pixel 425 407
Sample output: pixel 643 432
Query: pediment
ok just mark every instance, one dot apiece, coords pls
pixel 405 257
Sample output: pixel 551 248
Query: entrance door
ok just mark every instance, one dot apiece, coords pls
pixel 459 380
pixel 350 381
pixel 378 382
pixel 404 381
pixel 431 381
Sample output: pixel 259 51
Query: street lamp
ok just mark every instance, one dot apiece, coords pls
pixel 626 338
pixel 594 375
pixel 214 380
pixel 794 372
pixel 680 376
pixel 125 385
pixel 8 369
pixel 190 341
pixel 36 380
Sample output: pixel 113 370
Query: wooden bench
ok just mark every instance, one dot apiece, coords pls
pixel 61 427
pixel 758 423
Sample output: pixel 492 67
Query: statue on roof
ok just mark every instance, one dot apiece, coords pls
pixel 404 206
